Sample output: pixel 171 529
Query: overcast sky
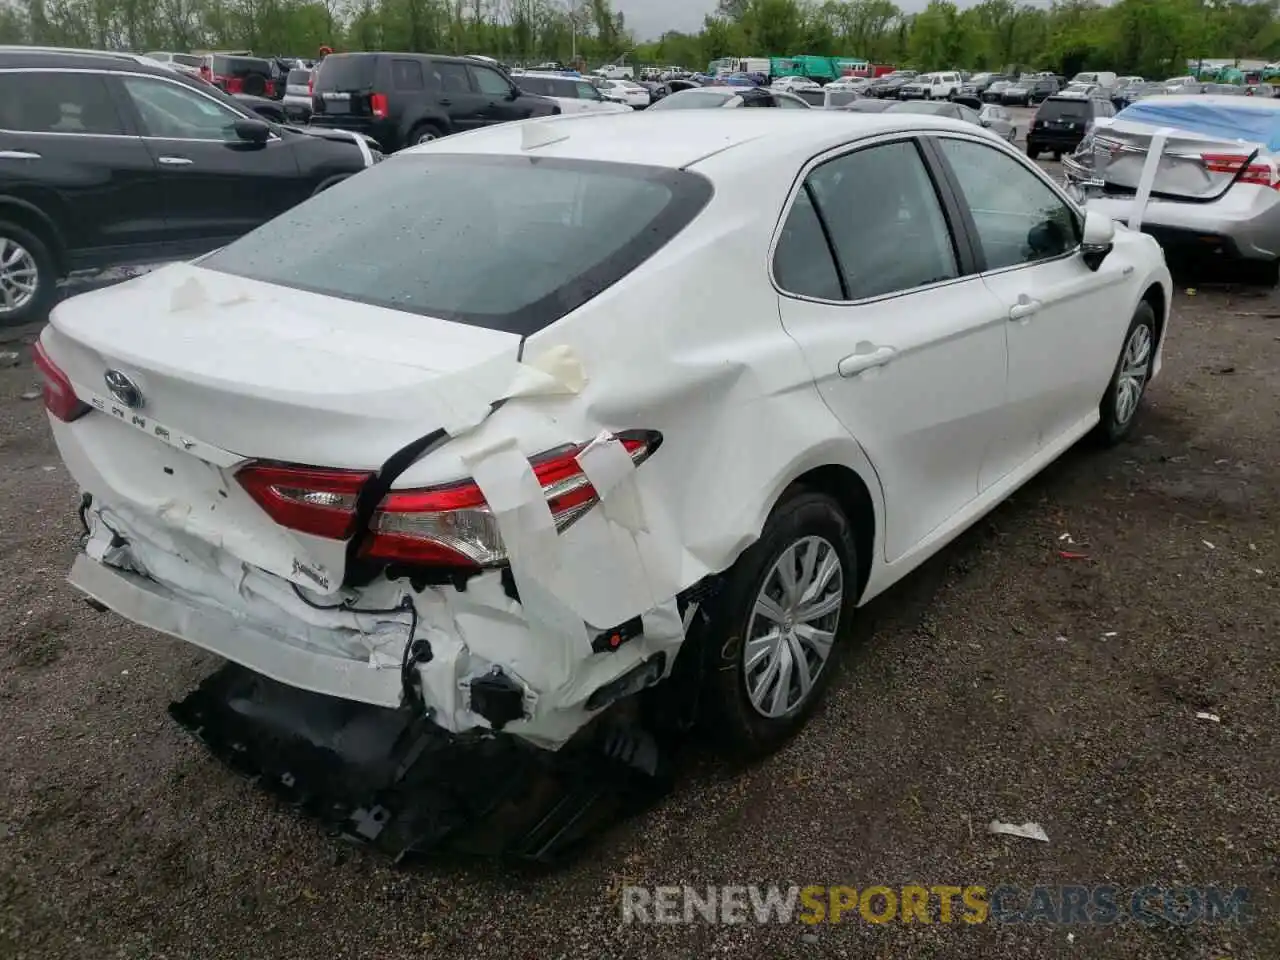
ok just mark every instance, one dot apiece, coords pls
pixel 649 18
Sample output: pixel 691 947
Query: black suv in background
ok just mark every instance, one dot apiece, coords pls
pixel 1062 122
pixel 401 99
pixel 106 162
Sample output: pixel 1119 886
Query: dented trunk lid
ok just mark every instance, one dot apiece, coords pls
pixel 228 370
pixel 1193 166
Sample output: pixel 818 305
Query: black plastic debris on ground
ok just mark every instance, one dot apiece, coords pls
pixel 399 783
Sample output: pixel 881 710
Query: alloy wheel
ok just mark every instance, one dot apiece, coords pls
pixel 1135 365
pixel 793 626
pixel 19 276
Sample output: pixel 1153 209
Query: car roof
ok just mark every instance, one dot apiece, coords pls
pixel 681 138
pixel 19 56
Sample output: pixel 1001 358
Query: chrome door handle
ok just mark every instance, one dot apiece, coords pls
pixel 19 155
pixel 175 161
pixel 857 363
pixel 1024 308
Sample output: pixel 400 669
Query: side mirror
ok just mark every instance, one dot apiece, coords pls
pixel 252 131
pixel 1099 238
pixel 513 93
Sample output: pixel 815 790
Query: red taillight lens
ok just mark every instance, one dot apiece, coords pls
pixel 1257 173
pixel 452 525
pixel 206 74
pixel 269 88
pixel 378 104
pixel 231 84
pixel 318 502
pixel 311 86
pixel 59 396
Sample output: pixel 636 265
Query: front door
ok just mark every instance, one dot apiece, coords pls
pixel 66 148
pixel 216 186
pixel 906 346
pixel 465 106
pixel 1062 339
pixel 502 101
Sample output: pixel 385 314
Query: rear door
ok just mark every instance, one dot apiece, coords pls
pixel 1063 331
pixel 906 343
pixel 66 147
pixel 215 186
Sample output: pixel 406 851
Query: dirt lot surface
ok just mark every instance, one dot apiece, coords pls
pixel 1000 681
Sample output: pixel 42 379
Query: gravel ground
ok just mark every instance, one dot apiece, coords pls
pixel 999 681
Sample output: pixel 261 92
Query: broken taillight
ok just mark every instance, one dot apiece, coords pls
pixel 1260 173
pixel 59 396
pixel 319 502
pixel 448 525
pixel 452 525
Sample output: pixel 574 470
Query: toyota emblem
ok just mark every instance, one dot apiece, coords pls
pixel 123 389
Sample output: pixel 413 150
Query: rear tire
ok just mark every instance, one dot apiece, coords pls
pixel 1119 407
pixel 1032 152
pixel 28 275
pixel 755 707
pixel 423 133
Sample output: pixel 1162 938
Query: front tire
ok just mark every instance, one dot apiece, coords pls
pixel 28 275
pixel 1119 408
pixel 1033 152
pixel 775 625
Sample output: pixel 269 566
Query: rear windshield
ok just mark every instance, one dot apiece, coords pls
pixel 509 243
pixel 346 72
pixel 237 66
pixel 1063 110
pixel 298 78
pixel 838 98
pixel 187 60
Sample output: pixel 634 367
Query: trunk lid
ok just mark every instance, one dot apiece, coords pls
pixel 230 369
pixel 265 371
pixel 1193 166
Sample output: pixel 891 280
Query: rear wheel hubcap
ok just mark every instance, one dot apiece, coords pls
pixel 793 626
pixel 19 276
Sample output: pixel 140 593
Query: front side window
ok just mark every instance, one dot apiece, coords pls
pixel 170 111
pixel 1019 219
pixel 489 82
pixel 47 102
pixel 586 91
pixel 509 243
pixel 885 220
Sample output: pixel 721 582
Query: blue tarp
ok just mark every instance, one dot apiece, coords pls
pixel 1254 120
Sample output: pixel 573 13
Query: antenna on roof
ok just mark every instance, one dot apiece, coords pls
pixel 536 135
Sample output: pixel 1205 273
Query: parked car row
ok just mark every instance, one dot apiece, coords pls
pixel 107 160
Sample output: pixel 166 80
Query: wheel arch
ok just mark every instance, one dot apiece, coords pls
pixel 847 488
pixel 1156 296
pixel 31 217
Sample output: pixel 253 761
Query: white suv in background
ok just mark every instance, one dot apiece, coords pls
pixel 932 86
pixel 573 94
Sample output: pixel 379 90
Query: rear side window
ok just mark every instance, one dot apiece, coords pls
pixel 450 78
pixel 346 72
pixel 886 222
pixel 802 261
pixel 509 243
pixel 406 75
pixel 57 103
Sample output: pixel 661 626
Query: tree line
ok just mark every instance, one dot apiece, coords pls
pixel 1154 38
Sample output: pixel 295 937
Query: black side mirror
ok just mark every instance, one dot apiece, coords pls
pixel 252 131
pixel 513 93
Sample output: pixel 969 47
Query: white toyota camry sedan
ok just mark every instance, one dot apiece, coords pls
pixel 533 422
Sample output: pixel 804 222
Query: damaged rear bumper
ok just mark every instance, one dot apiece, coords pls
pixel 395 781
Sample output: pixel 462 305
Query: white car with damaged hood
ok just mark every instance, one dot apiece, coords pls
pixel 568 407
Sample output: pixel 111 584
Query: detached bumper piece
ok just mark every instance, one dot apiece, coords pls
pixel 397 782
